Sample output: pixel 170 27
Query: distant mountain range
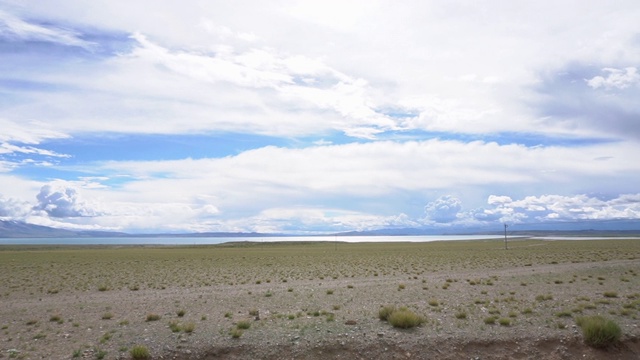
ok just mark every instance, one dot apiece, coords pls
pixel 17 229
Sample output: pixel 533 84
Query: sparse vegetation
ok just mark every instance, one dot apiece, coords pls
pixel 462 284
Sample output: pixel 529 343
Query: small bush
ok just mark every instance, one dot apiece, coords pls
pixel 405 319
pixel 174 326
pixel 504 321
pixel 544 297
pixel 243 324
pixel 181 313
pixel 385 312
pixel 153 317
pixel 610 294
pixel 434 302
pixel 598 331
pixel 461 315
pixel 189 327
pixel 107 316
pixel 140 352
pixel 236 333
pixel 490 320
pixel 564 314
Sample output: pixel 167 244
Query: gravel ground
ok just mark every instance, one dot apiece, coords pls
pixel 336 317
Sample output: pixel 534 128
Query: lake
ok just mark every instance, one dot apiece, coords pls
pixel 177 240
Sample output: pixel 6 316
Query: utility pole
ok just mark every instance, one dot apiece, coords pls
pixel 506 247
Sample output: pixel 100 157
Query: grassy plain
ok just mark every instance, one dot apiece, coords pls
pixel 96 301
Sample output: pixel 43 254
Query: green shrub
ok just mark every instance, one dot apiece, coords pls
pixel 598 331
pixel 490 320
pixel 189 327
pixel 461 315
pixel 610 294
pixel 153 317
pixel 236 333
pixel 181 313
pixel 504 321
pixel 385 312
pixel 405 319
pixel 140 352
pixel 174 326
pixel 243 324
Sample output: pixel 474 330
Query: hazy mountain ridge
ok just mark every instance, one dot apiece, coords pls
pixel 17 229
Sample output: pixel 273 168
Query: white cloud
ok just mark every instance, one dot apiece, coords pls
pixel 14 28
pixel 444 210
pixel 61 201
pixel 616 78
pixel 544 208
pixel 13 209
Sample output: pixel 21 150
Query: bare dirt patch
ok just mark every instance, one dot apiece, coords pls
pixel 318 300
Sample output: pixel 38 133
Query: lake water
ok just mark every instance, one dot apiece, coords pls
pixel 219 240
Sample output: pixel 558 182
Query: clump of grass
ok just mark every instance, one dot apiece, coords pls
pixel 189 327
pixel 504 321
pixel 490 320
pixel 598 331
pixel 153 317
pixel 610 294
pixel 174 326
pixel 236 333
pixel 103 288
pixel 330 292
pixel 564 314
pixel 461 315
pixel 544 297
pixel 107 316
pixel 243 324
pixel 401 286
pixel 385 312
pixel 140 352
pixel 404 318
pixel 55 318
pixel 181 313
pixel 434 302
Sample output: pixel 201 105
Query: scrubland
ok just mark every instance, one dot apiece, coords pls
pixel 458 299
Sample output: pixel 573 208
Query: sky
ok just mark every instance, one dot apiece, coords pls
pixel 318 116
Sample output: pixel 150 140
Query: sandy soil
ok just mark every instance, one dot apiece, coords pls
pixel 336 318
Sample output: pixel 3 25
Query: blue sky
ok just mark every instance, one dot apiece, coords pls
pixel 311 117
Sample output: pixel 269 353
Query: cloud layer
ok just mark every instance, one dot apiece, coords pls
pixel 369 114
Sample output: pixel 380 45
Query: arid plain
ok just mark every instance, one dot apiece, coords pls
pixel 318 300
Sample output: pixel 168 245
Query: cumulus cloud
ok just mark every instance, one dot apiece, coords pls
pixel 616 78
pixel 61 201
pixel 444 210
pixel 11 208
pixel 546 208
